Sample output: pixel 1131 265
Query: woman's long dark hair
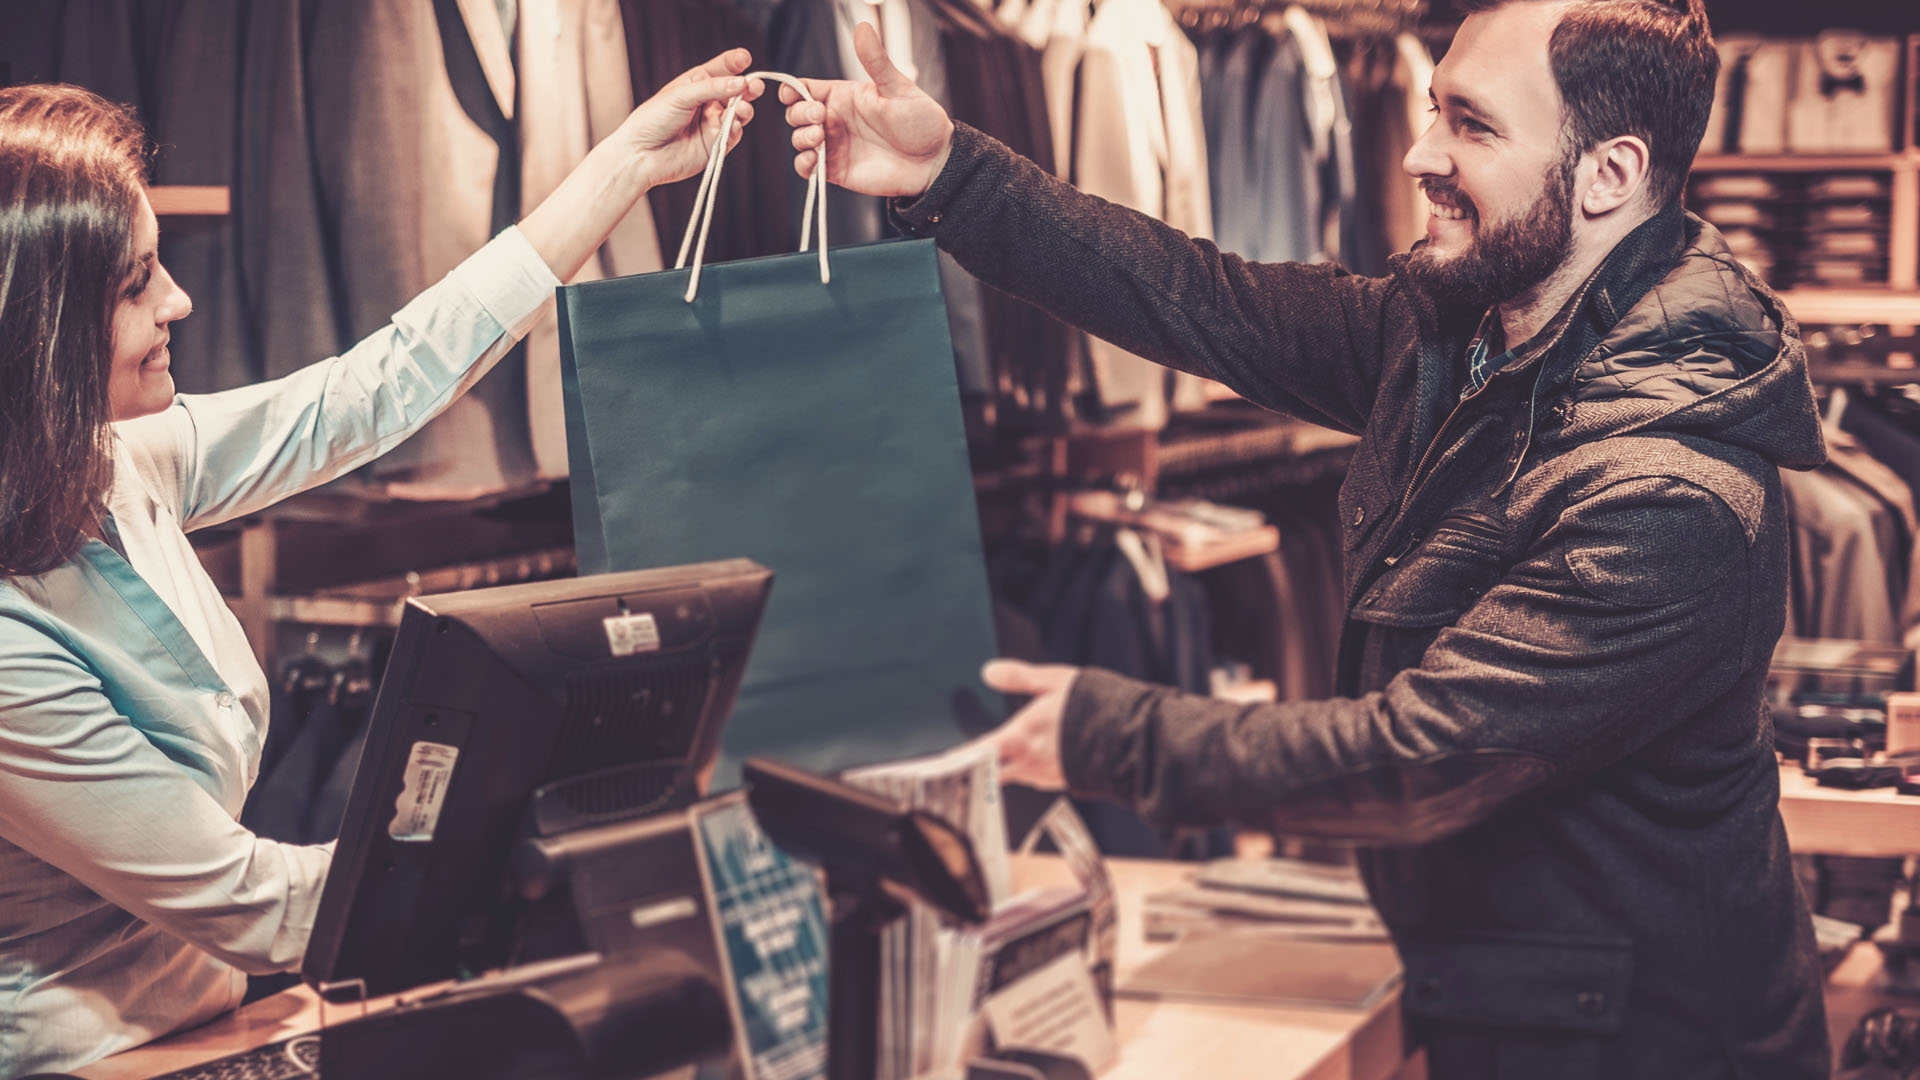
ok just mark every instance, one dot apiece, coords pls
pixel 72 167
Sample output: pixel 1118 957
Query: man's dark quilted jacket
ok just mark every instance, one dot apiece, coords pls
pixel 1563 594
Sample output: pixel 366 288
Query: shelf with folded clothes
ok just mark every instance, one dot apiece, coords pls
pixel 1838 235
pixel 1863 305
pixel 1193 535
pixel 1890 161
pixel 178 200
pixel 1861 373
pixel 286 569
pixel 379 602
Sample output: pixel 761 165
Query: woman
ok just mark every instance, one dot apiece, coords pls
pixel 132 712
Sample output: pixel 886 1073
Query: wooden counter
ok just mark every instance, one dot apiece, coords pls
pixel 1158 1039
pixel 1163 1039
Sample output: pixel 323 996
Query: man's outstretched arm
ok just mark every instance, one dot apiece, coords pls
pixel 1307 340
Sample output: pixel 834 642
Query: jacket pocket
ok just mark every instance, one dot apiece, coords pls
pixel 1558 984
pixel 1503 1008
pixel 1433 580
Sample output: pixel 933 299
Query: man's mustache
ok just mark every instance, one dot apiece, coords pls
pixel 1448 193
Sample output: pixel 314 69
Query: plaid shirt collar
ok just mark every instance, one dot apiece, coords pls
pixel 1481 362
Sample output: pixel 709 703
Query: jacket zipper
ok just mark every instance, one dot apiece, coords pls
pixel 1404 550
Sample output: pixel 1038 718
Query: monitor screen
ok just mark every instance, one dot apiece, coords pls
pixel 527 710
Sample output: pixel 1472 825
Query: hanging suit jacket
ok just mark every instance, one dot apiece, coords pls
pixel 414 157
pixel 1066 40
pixel 665 38
pixel 90 43
pixel 1839 584
pixel 1265 181
pixel 466 143
pixel 1139 141
pixel 1894 442
pixel 229 106
pixel 814 39
pixel 574 84
pixel 993 80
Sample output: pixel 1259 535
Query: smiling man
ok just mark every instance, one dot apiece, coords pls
pixel 1565 544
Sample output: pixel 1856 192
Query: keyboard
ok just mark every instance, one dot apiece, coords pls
pixel 291 1059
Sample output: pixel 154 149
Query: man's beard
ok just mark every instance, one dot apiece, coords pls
pixel 1505 259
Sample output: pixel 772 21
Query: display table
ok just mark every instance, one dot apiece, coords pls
pixel 1161 1039
pixel 1834 821
pixel 1158 1039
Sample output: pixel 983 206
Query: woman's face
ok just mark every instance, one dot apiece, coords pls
pixel 140 383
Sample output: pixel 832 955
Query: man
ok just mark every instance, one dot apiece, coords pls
pixel 1565 544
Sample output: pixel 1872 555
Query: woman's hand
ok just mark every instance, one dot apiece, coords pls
pixel 664 140
pixel 673 130
pixel 884 137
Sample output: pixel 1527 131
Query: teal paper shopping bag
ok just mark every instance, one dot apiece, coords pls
pixel 814 426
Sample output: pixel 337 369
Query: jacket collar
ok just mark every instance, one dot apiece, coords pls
pixel 1630 271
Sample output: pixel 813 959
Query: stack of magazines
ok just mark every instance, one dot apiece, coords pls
pixel 1036 974
pixel 1267 931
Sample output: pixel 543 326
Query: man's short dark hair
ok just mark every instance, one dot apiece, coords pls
pixel 1634 67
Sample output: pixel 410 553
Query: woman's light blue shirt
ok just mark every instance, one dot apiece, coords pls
pixel 132 710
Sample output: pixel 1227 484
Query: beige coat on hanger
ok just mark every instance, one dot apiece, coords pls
pixel 568 87
pixel 1139 142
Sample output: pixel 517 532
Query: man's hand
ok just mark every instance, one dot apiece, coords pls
pixel 672 130
pixel 884 137
pixel 1029 744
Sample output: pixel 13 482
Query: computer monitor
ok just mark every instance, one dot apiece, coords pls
pixel 515 712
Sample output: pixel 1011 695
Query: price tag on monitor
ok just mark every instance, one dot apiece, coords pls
pixel 632 633
pixel 423 789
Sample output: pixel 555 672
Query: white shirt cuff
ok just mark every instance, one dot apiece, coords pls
pixel 510 280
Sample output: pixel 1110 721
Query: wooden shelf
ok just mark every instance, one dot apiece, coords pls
pixel 179 201
pixel 1187 545
pixel 1251 544
pixel 1899 302
pixel 1890 161
pixel 1892 306
pixel 334 611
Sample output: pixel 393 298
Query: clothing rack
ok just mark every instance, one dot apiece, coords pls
pixel 1859 360
pixel 1358 16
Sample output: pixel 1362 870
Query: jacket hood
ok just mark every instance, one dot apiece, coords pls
pixel 1708 350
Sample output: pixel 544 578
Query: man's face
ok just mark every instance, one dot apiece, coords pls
pixel 1495 163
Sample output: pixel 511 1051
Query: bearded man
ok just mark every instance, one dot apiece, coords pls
pixel 1565 544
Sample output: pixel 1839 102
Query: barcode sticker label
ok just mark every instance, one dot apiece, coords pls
pixel 629 634
pixel 422 792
